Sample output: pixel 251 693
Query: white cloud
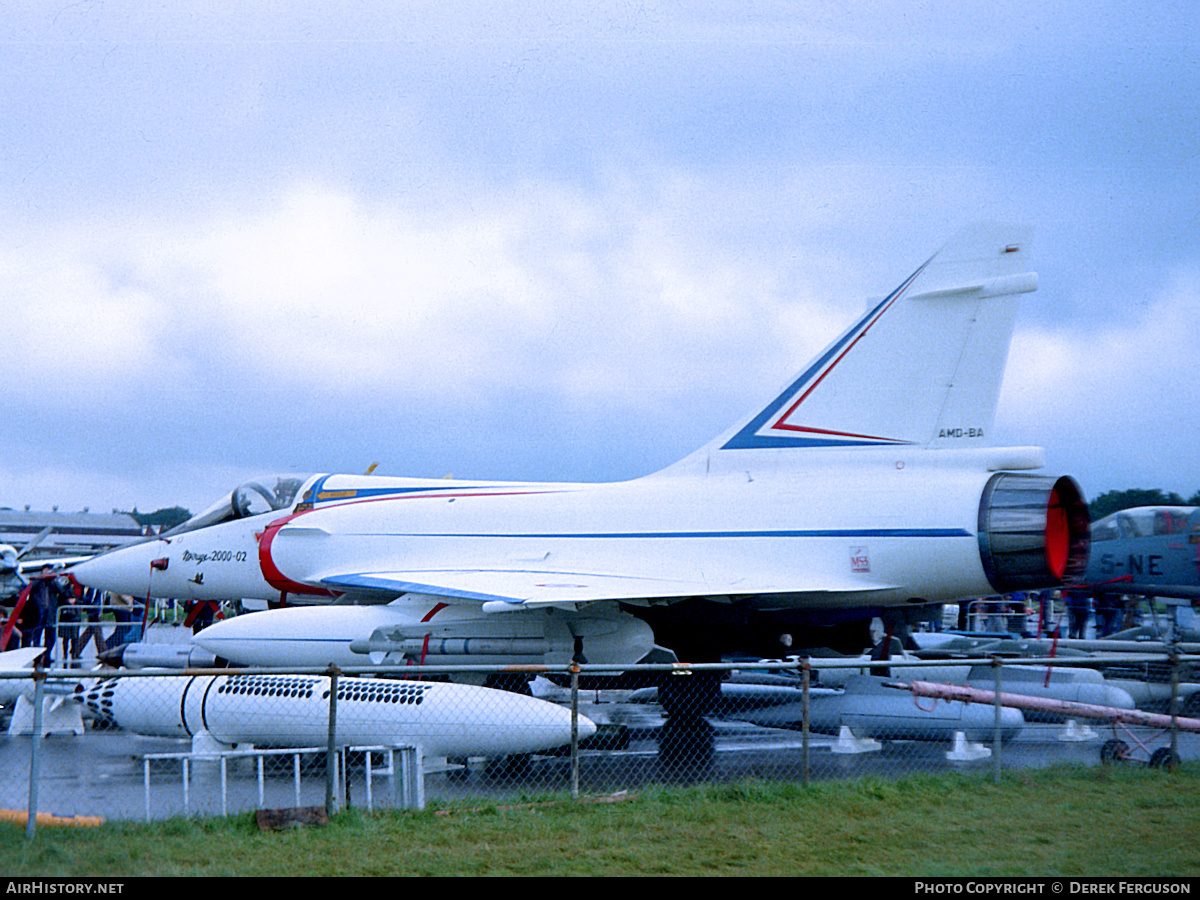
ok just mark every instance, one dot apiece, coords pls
pixel 324 292
pixel 1115 402
pixel 73 331
pixel 1147 357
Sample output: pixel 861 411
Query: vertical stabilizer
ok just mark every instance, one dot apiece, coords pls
pixel 922 367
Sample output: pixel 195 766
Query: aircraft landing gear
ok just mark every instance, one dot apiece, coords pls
pixel 689 695
pixel 686 743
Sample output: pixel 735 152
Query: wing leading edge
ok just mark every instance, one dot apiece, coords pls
pixel 504 589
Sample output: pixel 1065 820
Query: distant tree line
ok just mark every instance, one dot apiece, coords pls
pixel 163 519
pixel 1113 501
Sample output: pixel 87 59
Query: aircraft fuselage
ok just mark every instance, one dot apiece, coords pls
pixel 863 486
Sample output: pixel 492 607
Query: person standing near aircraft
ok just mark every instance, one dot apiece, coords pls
pixel 1107 610
pixel 1131 616
pixel 89 629
pixel 1015 613
pixel 1077 613
pixel 1049 618
pixel 44 596
pixel 125 610
pixel 17 620
pixel 67 621
pixel 27 615
pixel 200 614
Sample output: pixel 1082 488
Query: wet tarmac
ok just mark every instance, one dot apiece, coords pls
pixel 105 772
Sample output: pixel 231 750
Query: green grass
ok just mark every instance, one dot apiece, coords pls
pixel 1057 822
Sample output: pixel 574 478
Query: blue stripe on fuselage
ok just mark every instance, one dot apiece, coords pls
pixel 749 439
pixel 767 533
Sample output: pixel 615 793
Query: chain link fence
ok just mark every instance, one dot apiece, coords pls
pixel 157 743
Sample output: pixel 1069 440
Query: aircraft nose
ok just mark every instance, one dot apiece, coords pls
pixel 124 571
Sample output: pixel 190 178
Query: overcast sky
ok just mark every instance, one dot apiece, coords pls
pixel 545 241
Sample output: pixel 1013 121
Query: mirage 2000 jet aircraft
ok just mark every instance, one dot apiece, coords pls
pixel 866 486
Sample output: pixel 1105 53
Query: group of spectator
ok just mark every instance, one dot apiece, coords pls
pixel 1042 613
pixel 1007 614
pixel 53 608
pixel 1113 612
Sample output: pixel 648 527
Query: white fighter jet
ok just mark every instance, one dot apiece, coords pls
pixel 865 487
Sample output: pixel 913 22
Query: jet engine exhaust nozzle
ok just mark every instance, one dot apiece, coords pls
pixel 1033 531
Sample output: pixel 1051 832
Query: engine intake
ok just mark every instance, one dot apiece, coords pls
pixel 1033 531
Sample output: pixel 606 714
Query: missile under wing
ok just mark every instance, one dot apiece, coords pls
pixel 866 486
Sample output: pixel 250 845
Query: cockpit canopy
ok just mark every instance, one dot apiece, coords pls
pixel 1145 521
pixel 251 498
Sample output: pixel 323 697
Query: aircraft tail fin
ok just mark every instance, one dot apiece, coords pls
pixel 922 367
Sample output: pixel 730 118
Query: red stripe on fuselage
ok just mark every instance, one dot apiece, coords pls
pixel 781 421
pixel 275 577
pixel 270 571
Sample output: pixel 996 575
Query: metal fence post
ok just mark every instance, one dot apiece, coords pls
pixel 35 755
pixel 806 667
pixel 1175 708
pixel 996 734
pixel 331 757
pixel 574 731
